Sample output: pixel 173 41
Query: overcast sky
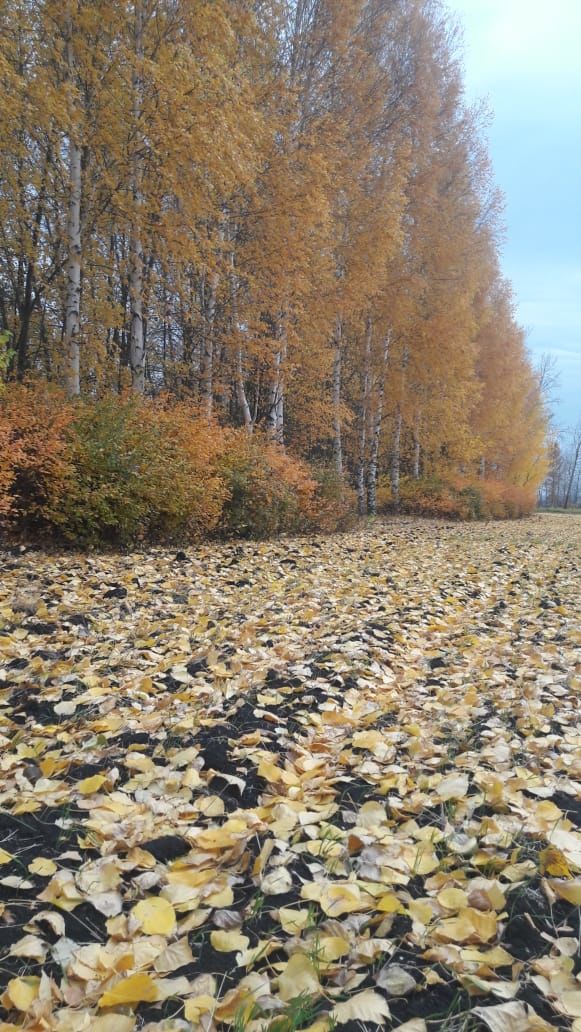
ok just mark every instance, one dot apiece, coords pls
pixel 525 57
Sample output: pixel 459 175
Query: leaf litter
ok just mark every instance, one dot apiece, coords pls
pixel 302 784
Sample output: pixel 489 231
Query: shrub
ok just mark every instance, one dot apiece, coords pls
pixel 268 491
pixel 121 469
pixel 187 491
pixel 9 454
pixel 432 496
pixel 457 498
pixel 34 453
pixel 141 469
pixel 334 506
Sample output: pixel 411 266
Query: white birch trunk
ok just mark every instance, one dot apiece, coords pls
pixel 396 457
pixel 241 398
pixel 574 461
pixel 361 492
pixel 209 310
pixel 275 420
pixel 396 442
pixel 208 353
pixel 136 334
pixel 417 446
pixel 377 423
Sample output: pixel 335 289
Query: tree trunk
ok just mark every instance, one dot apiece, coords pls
pixel 574 461
pixel 208 352
pixel 25 311
pixel 396 457
pixel 275 420
pixel 73 272
pixel 136 334
pixel 396 442
pixel 337 430
pixel 30 299
pixel 241 397
pixel 374 451
pixel 417 447
pixel 364 415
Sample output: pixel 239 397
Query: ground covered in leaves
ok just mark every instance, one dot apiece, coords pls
pixel 316 783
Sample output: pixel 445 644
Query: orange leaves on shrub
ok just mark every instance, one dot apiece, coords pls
pixel 142 470
pixel 268 491
pixel 34 454
pixel 459 498
pixel 122 468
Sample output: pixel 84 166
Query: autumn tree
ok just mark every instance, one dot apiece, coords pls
pixel 281 211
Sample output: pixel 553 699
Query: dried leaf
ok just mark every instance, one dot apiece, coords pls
pixel 367 1006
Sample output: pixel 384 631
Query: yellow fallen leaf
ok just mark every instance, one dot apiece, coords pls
pixel 469 925
pixel 571 1003
pixel 221 838
pixel 155 916
pixel 221 898
pixel 112 1023
pixel 29 946
pixel 175 955
pixel 568 890
pixel 269 771
pixel 210 806
pixel 293 921
pixel 90 785
pixel 299 976
pixel 229 942
pixel 23 991
pixel 454 786
pixel 345 898
pixel 42 866
pixel 367 740
pixel 367 1006
pixel 511 1017
pixel 452 899
pixel 138 761
pixel 138 988
pixel 553 862
pixel 389 904
pixel 197 1006
pixel 477 986
pixel 494 957
pixel 5 858
pixel 276 882
pixel 332 947
pixel 324 848
pixel 421 910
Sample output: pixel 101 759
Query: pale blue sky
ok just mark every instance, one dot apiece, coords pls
pixel 524 56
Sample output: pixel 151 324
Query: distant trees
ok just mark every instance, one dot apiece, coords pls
pixel 562 487
pixel 282 211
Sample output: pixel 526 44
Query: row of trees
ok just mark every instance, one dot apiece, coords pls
pixel 282 210
pixel 562 486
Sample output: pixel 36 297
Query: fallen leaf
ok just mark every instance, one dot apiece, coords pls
pixel 298 977
pixel 138 988
pixel 229 942
pixel 155 916
pixel 395 980
pixel 367 1006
